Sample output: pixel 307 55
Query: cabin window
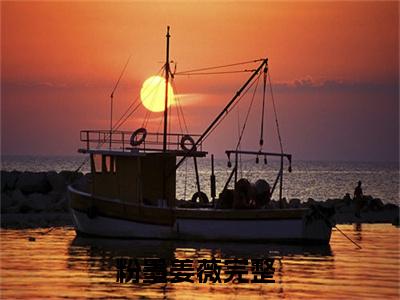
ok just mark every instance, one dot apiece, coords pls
pixel 114 164
pixel 109 164
pixel 106 163
pixel 97 163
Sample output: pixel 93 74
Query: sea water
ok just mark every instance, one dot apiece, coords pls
pixel 56 264
pixel 308 179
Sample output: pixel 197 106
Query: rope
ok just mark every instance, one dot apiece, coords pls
pixel 276 115
pixel 120 121
pixel 216 73
pixel 329 222
pixel 116 126
pixel 120 76
pixel 179 106
pixel 248 113
pixel 228 111
pixel 169 125
pixel 179 118
pixel 159 124
pixel 149 112
pixel 263 108
pixel 184 191
pixel 240 155
pixel 347 237
pixel 219 67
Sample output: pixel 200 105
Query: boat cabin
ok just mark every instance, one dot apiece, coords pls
pixel 135 171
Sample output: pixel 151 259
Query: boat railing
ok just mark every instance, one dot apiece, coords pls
pixel 119 140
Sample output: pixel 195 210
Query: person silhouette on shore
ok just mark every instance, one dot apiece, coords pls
pixel 358 199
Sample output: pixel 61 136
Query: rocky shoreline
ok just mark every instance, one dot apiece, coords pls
pixel 39 199
pixel 36 199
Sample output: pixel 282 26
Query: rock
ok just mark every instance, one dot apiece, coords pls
pixel 3 183
pixel 329 203
pixel 347 198
pixel 391 206
pixel 310 201
pixel 25 206
pixel 18 197
pixel 8 180
pixel 62 205
pixel 374 204
pixel 39 202
pixel 56 181
pixel 55 196
pixel 70 176
pixel 342 205
pixel 83 183
pixel 11 210
pixel 29 182
pixel 6 202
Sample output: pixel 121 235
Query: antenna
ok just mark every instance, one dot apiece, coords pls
pixel 166 94
pixel 112 97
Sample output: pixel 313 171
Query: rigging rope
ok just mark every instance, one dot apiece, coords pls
pixel 179 118
pixel 122 119
pixel 248 112
pixel 276 115
pixel 179 106
pixel 263 108
pixel 219 67
pixel 216 73
pixel 169 125
pixel 131 105
pixel 159 124
pixel 149 111
pixel 229 110
pixel 240 155
pixel 184 193
pixel 120 76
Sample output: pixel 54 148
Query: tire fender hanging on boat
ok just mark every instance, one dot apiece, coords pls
pixel 142 132
pixel 203 199
pixel 187 138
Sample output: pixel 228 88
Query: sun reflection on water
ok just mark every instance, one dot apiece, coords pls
pixel 59 265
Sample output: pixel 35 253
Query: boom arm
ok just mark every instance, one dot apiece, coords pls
pixel 225 110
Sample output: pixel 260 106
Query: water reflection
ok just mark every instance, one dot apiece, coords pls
pixel 357 227
pixel 291 261
pixel 59 265
pixel 178 249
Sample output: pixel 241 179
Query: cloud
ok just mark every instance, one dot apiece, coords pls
pixel 308 83
pixel 23 85
pixel 188 99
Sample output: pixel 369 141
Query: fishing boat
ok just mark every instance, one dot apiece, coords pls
pixel 132 188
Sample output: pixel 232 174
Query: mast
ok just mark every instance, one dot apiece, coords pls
pixel 166 94
pixel 111 118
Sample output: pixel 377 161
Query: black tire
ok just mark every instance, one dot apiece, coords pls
pixel 137 132
pixel 203 199
pixel 187 138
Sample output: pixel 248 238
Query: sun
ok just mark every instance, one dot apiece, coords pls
pixel 152 94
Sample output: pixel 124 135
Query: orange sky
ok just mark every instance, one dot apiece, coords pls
pixel 60 62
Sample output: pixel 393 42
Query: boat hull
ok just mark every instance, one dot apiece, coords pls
pixel 291 225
